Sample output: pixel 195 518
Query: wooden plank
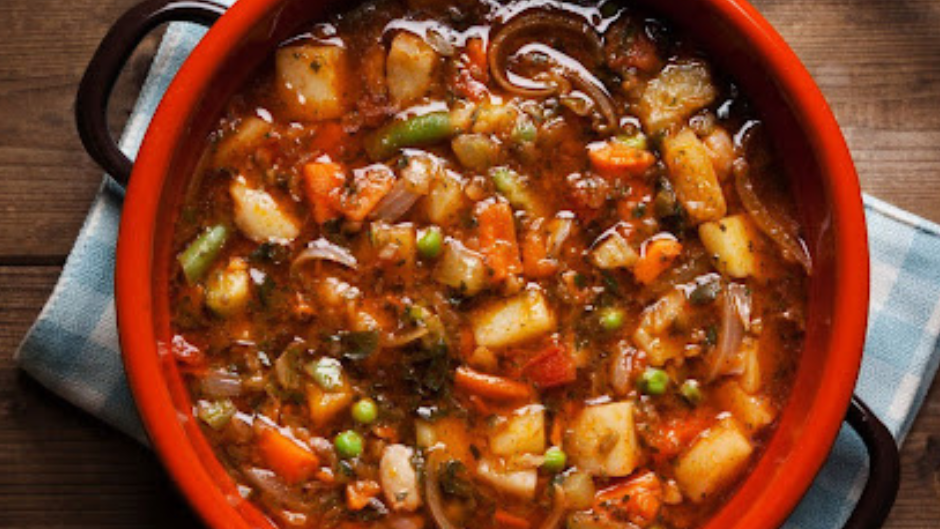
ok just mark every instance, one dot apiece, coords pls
pixel 61 467
pixel 47 182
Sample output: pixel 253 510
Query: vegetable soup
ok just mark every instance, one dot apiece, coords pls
pixel 476 264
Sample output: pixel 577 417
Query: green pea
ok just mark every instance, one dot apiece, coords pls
pixel 654 381
pixel 431 243
pixel 691 391
pixel 327 373
pixel 611 318
pixel 348 444
pixel 555 460
pixel 365 411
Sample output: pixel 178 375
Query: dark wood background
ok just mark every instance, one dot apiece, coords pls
pixel 878 62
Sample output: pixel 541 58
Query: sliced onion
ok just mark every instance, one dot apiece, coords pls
pixel 432 492
pixel 779 227
pixel 396 203
pixel 547 23
pixel 735 317
pixel 323 250
pixel 218 383
pixel 274 489
pixel 558 509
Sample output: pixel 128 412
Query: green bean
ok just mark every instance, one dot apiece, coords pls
pixel 415 131
pixel 202 252
pixel 511 185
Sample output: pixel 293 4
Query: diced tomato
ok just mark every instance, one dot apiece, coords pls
pixel 323 184
pixel 497 233
pixel 637 499
pixel 552 367
pixel 670 438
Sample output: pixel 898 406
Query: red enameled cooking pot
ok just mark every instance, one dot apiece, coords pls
pixel 734 35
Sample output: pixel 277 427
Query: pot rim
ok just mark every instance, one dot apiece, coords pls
pixel 144 356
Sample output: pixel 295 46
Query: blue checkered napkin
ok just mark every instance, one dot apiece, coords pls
pixel 73 347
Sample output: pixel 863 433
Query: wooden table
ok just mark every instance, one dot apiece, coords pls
pixel 877 62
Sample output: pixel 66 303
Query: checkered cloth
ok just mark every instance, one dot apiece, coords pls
pixel 72 348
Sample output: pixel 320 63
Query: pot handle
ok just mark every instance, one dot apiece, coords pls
pixel 94 92
pixel 884 472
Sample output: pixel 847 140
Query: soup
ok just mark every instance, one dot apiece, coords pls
pixel 482 264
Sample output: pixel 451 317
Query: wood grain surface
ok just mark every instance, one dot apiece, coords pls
pixel 878 63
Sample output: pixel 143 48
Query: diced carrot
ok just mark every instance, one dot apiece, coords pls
pixel 360 493
pixel 323 185
pixel 552 367
pixel 535 260
pixel 637 500
pixel 658 255
pixel 613 159
pixel 490 386
pixel 369 188
pixel 510 521
pixel 286 457
pixel 497 234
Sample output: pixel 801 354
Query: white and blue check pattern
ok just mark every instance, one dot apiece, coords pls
pixel 73 347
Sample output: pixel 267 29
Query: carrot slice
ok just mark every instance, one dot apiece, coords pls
pixel 658 255
pixel 370 187
pixel 510 521
pixel 490 386
pixel 323 183
pixel 286 457
pixel 497 233
pixel 614 159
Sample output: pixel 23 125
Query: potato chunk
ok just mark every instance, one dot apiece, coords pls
pixel 522 433
pixel 676 93
pixel 754 412
pixel 602 441
pixel 693 176
pixel 513 321
pixel 714 461
pixel 311 80
pixel 732 243
pixel 259 216
pixel 228 290
pixel 409 68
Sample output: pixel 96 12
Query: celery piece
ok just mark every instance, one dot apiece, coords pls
pixel 216 413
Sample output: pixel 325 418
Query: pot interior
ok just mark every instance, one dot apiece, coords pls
pixel 798 146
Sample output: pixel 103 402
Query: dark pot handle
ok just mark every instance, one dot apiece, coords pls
pixel 884 474
pixel 91 104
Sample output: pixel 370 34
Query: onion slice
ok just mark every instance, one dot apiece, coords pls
pixel 324 250
pixel 735 318
pixel 432 492
pixel 780 228
pixel 547 23
pixel 396 203
pixel 218 383
pixel 558 509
